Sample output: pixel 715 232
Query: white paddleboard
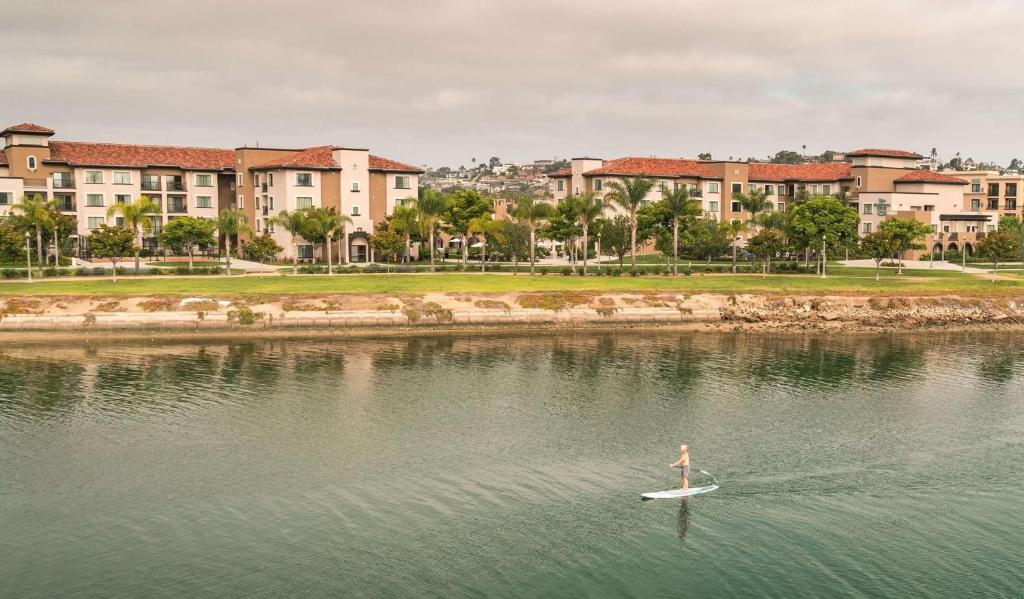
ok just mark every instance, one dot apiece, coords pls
pixel 676 493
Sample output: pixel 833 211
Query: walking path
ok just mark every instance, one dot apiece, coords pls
pixel 920 264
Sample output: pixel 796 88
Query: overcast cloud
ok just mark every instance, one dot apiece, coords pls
pixel 441 82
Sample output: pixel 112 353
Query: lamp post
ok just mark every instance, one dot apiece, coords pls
pixel 823 256
pixel 942 245
pixel 598 252
pixel 28 254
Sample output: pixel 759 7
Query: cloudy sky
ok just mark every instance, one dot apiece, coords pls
pixel 440 82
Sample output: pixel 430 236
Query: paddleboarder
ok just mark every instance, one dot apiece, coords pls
pixel 684 467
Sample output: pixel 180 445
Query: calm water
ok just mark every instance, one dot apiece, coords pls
pixel 511 466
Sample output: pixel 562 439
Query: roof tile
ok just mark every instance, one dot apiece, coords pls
pixel 923 176
pixel 654 167
pixel 139 156
pixel 829 171
pixel 378 163
pixel 321 157
pixel 27 128
pixel 885 153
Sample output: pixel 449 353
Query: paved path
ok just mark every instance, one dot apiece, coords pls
pixel 920 264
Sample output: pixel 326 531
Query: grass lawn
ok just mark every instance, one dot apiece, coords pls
pixel 173 263
pixel 841 280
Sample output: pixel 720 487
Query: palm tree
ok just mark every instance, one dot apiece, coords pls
pixel 588 208
pixel 37 212
pixel 330 222
pixel 679 205
pixel 404 221
pixel 532 211
pixel 734 228
pixel 755 202
pixel 630 194
pixel 430 206
pixel 138 218
pixel 231 222
pixel 293 222
pixel 480 226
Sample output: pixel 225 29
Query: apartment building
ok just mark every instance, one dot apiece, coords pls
pixel 87 178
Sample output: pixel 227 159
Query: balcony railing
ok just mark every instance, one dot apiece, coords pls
pixel 696 193
pixel 175 186
pixel 176 207
pixel 150 185
pixel 67 205
pixel 67 183
pixel 34 182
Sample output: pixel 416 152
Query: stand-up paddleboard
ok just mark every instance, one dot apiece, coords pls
pixel 677 493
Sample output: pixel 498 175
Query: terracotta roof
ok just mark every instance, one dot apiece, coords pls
pixel 383 164
pixel 136 156
pixel 27 128
pixel 320 157
pixel 565 172
pixel 829 171
pixel 923 176
pixel 885 153
pixel 654 167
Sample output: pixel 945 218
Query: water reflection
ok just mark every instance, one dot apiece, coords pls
pixel 683 520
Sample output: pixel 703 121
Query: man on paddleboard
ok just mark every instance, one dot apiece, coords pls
pixel 684 467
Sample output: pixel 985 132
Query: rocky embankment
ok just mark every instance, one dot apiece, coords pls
pixel 376 312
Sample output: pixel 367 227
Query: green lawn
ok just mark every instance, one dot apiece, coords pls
pixel 841 281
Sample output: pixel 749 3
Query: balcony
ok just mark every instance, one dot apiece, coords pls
pixel 175 185
pixel 66 204
pixel 35 183
pixel 63 182
pixel 696 193
pixel 150 185
pixel 176 206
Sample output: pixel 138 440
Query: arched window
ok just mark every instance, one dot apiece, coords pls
pixel 31 163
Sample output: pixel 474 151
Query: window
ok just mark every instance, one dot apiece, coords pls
pixel 859 181
pixel 1011 190
pixel 304 179
pixel 355 210
pixel 355 186
pixel 270 203
pixel 32 163
pixel 255 179
pixel 975 185
pixel 6 197
pixel 270 179
pixel 150 182
pixel 945 228
pixel 713 186
pixel 935 229
pixel 598 184
pixel 204 180
pixel 769 190
pixel 259 225
pixel 929 208
pixel 305 252
pixel 270 227
pixel 736 207
pixel 826 189
pixel 241 201
pixel 867 228
pixel 867 208
pixel 122 178
pixel 239 179
pixel 782 206
pixel 1011 203
pixel 993 189
pixel 751 187
pixel 303 202
pixel 814 189
pixel 95 222
pixel 62 180
pixel 204 201
pixel 561 185
pixel 94 176
pixel 976 204
pixel 94 199
pixel 401 181
pixel 119 221
pixel 122 198
pixel 713 206
pixel 737 188
pixel 781 190
pixel 990 228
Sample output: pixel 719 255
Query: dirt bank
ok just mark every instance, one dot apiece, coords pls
pixel 362 314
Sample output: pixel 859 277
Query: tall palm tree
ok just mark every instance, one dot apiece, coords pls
pixel 329 222
pixel 430 206
pixel 755 202
pixel 630 194
pixel 734 228
pixel 137 218
pixel 588 208
pixel 231 222
pixel 678 204
pixel 532 211
pixel 404 220
pixel 37 212
pixel 294 222
pixel 480 226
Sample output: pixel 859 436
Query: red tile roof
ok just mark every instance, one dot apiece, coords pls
pixel 565 172
pixel 320 157
pixel 383 164
pixel 135 156
pixel 923 176
pixel 829 171
pixel 654 167
pixel 27 128
pixel 884 153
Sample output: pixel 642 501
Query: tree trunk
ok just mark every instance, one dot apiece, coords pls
pixel 39 248
pixel 113 267
pixel 295 256
pixel 189 260
pixel 899 263
pixel 586 251
pixel 533 248
pixel 632 241
pixel 227 254
pixel 432 269
pixel 465 252
pixel 675 247
pixel 734 254
pixel 878 265
pixel 483 255
pixel 56 249
pixel 330 267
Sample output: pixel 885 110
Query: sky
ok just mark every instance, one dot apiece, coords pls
pixel 443 82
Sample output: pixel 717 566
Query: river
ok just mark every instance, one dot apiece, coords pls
pixel 509 466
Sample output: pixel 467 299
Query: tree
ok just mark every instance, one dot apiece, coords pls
pixel 704 156
pixel 588 208
pixel 404 222
pixel 12 245
pixel 429 208
pixel 707 238
pixel 679 206
pixel 294 222
pixel 755 202
pixel 262 249
pixel 480 225
pixel 630 194
pixel 512 240
pixel 733 229
pixel 532 212
pixel 387 244
pixel 614 233
pixel 998 246
pixel 36 213
pixel 905 234
pixel 766 244
pixel 1013 224
pixel 822 218
pixel 879 245
pixel 562 227
pixel 323 226
pixel 465 205
pixel 187 232
pixel 787 157
pixel 138 218
pixel 231 223
pixel 113 243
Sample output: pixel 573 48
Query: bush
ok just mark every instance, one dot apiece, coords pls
pixel 181 269
pixel 543 270
pixel 566 271
pixel 216 270
pixel 99 271
pixel 11 273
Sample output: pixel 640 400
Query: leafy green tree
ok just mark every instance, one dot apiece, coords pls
pixel 231 223
pixel 998 246
pixel 906 233
pixel 1013 224
pixel 561 225
pixel 404 222
pixel 388 244
pixel 787 157
pixel 614 234
pixel 262 249
pixel 878 245
pixel 37 213
pixel 704 156
pixel 323 226
pixel 533 212
pixel 588 208
pixel 755 202
pixel 512 240
pixel 679 206
pixel 466 205
pixel 765 244
pixel 294 222
pixel 734 229
pixel 630 195
pixel 113 243
pixel 823 219
pixel 12 245
pixel 429 208
pixel 480 225
pixel 706 239
pixel 138 218
pixel 187 232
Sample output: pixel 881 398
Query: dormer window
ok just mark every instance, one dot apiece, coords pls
pixel 32 163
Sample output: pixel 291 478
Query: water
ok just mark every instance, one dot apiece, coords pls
pixel 511 466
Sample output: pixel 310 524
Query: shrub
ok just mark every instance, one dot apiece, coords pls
pixel 99 271
pixel 51 271
pixel 244 315
pixel 543 270
pixel 566 271
pixel 82 272
pixel 216 270
pixel 11 273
